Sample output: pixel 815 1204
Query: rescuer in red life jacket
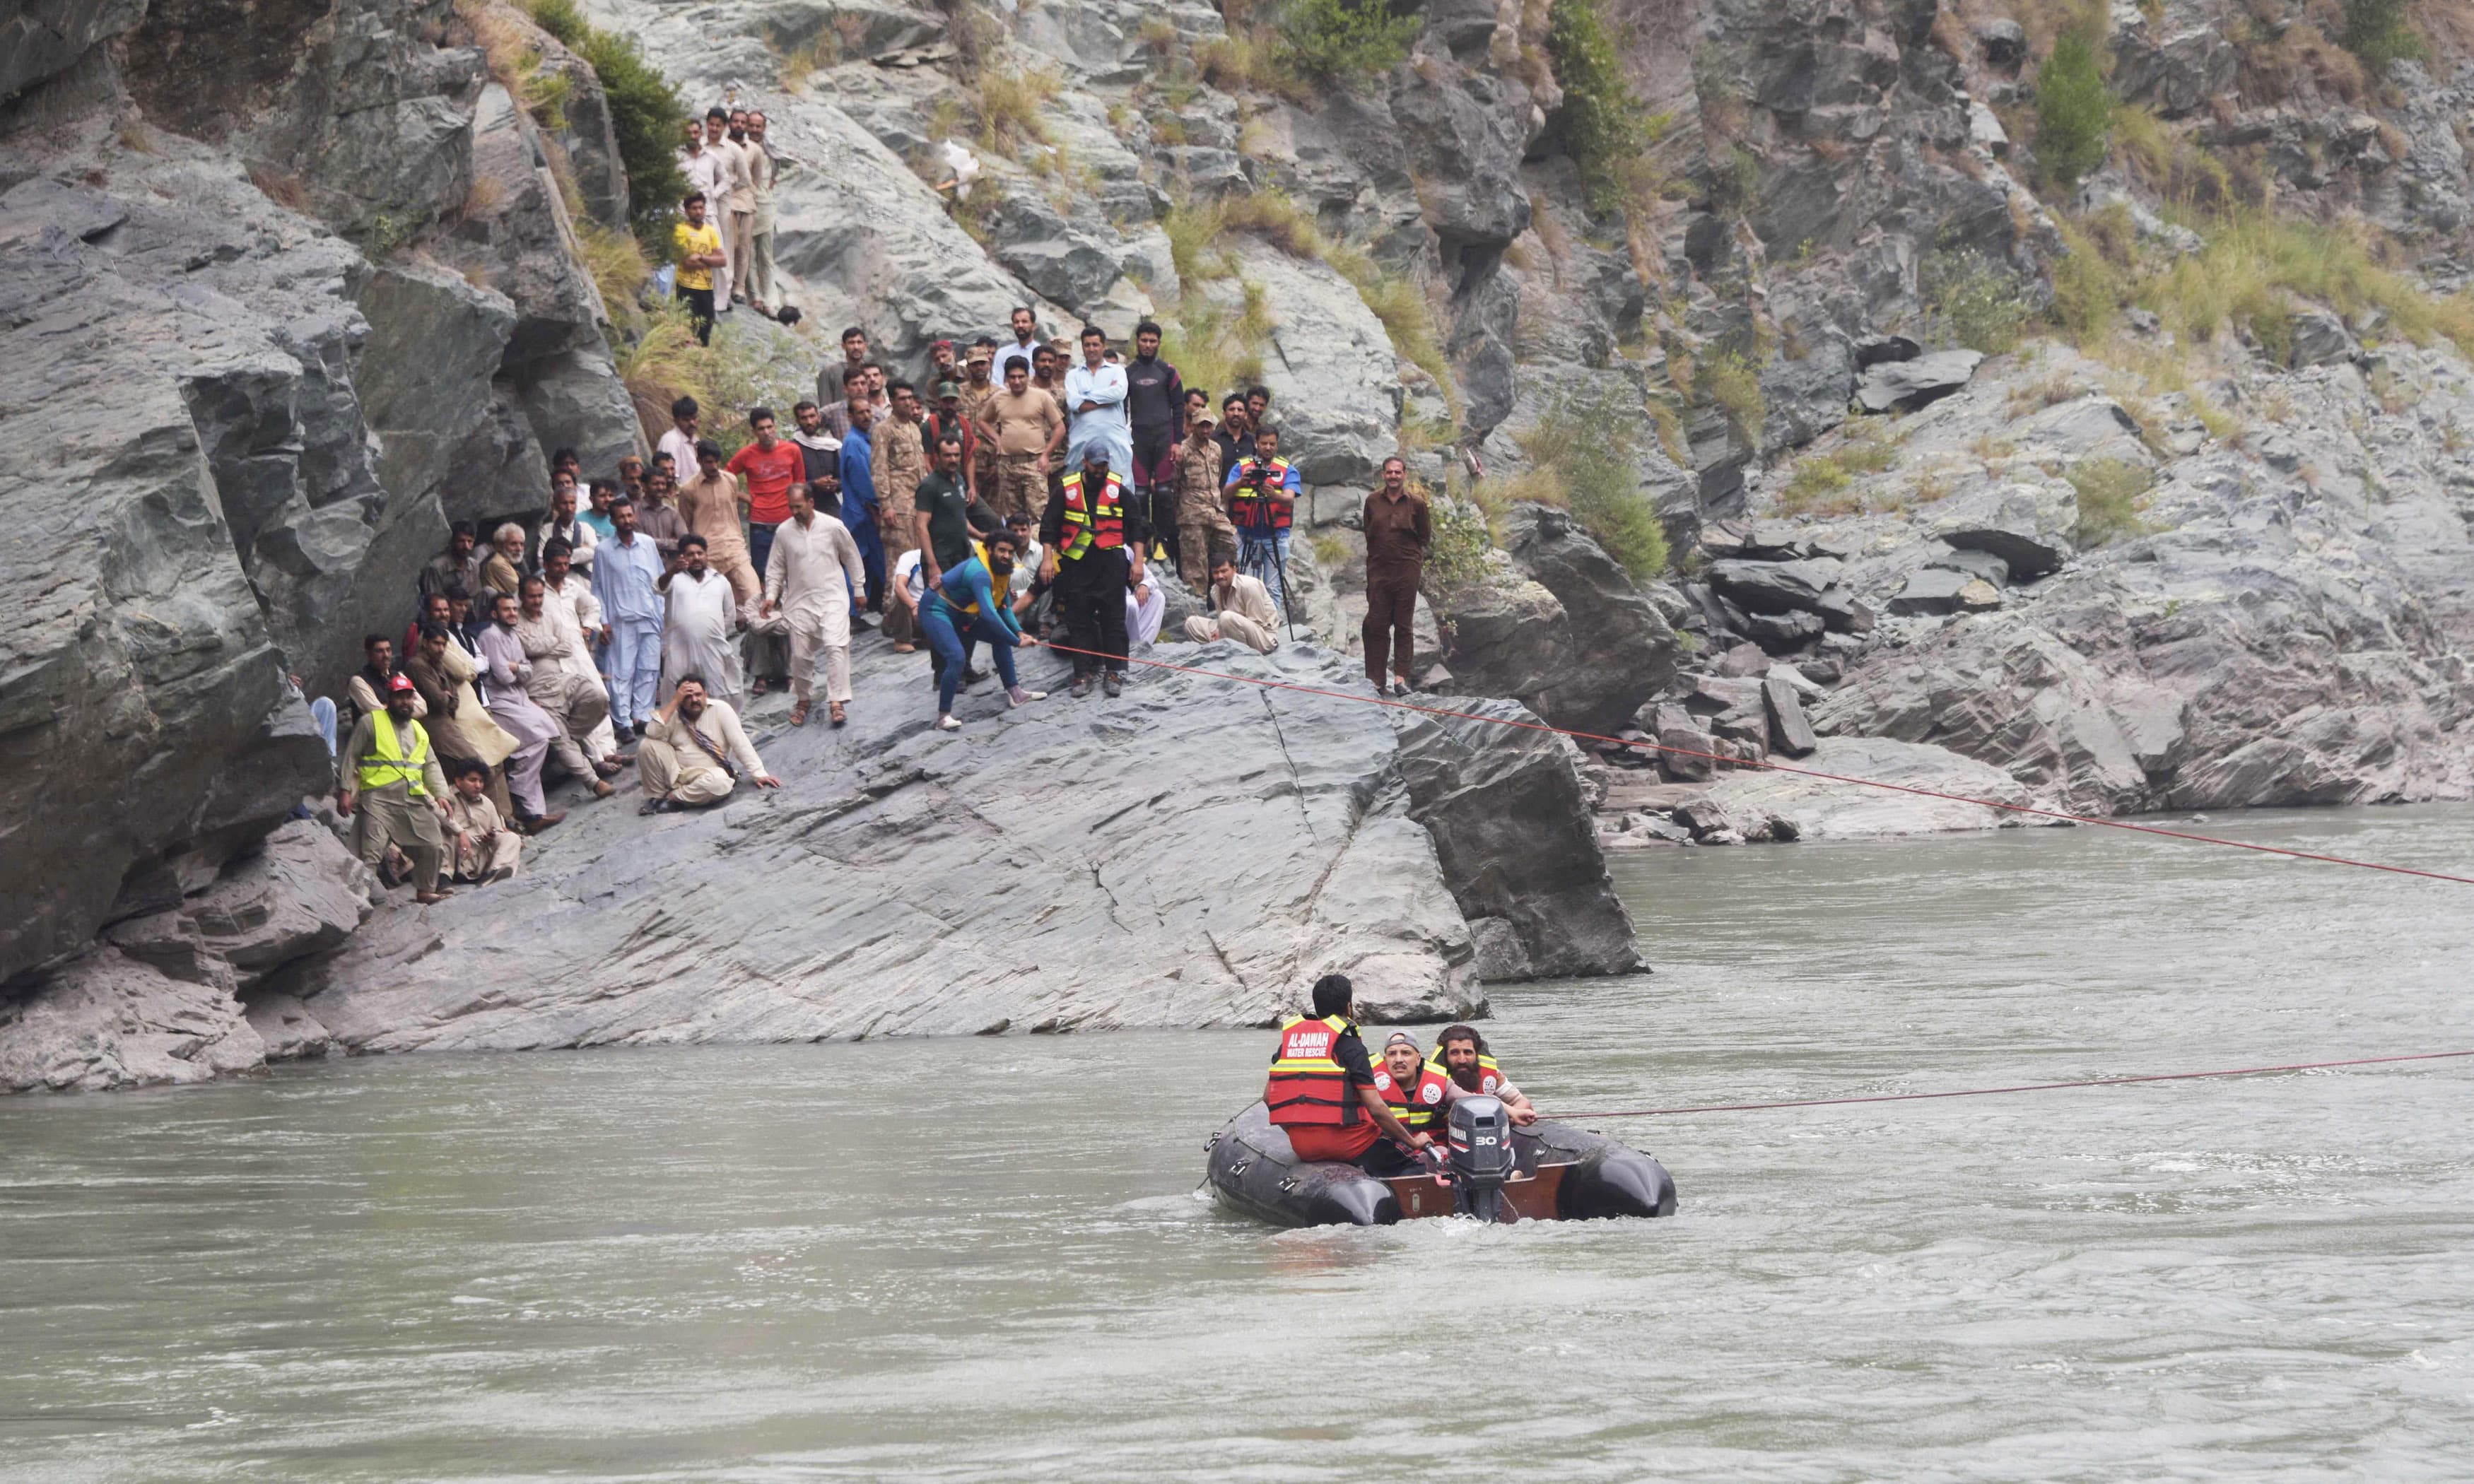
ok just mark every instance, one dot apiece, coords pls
pixel 1322 1095
pixel 1417 1092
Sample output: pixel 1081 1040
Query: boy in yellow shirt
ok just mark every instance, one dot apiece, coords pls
pixel 696 244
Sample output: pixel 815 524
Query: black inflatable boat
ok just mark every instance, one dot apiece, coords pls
pixel 1557 1173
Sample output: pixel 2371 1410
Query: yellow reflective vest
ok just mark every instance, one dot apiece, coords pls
pixel 392 764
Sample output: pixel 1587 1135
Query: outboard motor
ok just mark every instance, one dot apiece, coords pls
pixel 1482 1161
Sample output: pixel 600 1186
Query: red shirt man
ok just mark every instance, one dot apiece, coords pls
pixel 770 466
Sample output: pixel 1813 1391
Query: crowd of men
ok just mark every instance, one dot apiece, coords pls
pixel 1030 495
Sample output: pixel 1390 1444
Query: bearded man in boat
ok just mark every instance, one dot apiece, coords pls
pixel 1322 1091
pixel 1461 1059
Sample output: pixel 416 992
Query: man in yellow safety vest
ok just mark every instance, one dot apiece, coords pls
pixel 393 783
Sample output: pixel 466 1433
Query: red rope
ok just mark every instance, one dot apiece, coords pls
pixel 1780 767
pixel 2033 1087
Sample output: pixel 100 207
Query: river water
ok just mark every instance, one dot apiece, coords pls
pixel 984 1259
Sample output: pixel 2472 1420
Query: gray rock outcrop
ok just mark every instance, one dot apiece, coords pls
pixel 1574 639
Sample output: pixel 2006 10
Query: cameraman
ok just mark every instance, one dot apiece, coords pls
pixel 1262 493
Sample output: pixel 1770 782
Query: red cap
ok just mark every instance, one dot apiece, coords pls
pixel 400 683
pixel 942 344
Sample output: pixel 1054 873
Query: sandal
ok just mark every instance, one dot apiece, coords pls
pixel 799 714
pixel 837 715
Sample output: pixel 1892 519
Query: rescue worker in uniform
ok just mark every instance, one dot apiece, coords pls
pixel 1416 1092
pixel 393 776
pixel 1323 1095
pixel 1093 553
pixel 1262 494
pixel 1461 1056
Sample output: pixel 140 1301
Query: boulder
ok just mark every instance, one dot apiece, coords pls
pixel 1287 849
pixel 1843 613
pixel 1576 642
pixel 104 1020
pixel 300 892
pixel 2321 338
pixel 1816 808
pixel 1745 659
pixel 1978 596
pixel 1515 837
pixel 1930 590
pixel 1903 386
pixel 1790 731
pixel 1773 586
pixel 1685 752
pixel 2002 42
pixel 2028 526
pixel 1782 634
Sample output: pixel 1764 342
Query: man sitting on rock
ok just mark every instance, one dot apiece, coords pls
pixel 693 753
pixel 392 782
pixel 458 566
pixel 504 570
pixel 563 682
pixel 1242 611
pixel 482 846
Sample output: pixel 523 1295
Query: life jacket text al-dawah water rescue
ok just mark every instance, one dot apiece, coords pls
pixel 1419 1104
pixel 1308 1085
pixel 1095 521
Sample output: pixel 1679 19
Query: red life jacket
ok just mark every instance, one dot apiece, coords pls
pixel 1099 523
pixel 1259 500
pixel 1307 1085
pixel 1419 1105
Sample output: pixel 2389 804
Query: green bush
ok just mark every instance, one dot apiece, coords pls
pixel 1462 548
pixel 1337 40
pixel 646 113
pixel 1590 447
pixel 1603 126
pixel 2109 491
pixel 2376 31
pixel 1972 302
pixel 2074 112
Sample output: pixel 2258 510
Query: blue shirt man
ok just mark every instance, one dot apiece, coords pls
pixel 631 618
pixel 859 502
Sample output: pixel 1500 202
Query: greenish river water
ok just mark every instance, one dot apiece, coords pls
pixel 984 1259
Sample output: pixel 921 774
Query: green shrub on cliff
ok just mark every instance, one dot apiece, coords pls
pixel 646 113
pixel 1603 126
pixel 2073 112
pixel 1337 40
pixel 1584 456
pixel 2377 32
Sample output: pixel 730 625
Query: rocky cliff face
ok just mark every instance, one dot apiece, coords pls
pixel 292 287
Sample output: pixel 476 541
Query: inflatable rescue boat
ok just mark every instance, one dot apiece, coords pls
pixel 1548 1171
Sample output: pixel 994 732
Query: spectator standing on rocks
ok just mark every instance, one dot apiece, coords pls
pixel 1025 349
pixel 657 513
pixel 559 679
pixel 569 599
pixel 601 493
pixel 505 669
pixel 1262 496
pixel 1155 406
pixel 459 566
pixel 1093 553
pixel 698 625
pixel 478 842
pixel 947 520
pixel 626 582
pixel 1026 428
pixel 813 568
pixel 565 525
pixel 1235 439
pixel 718 144
pixel 1259 408
pixel 694 750
pixel 770 467
pixel 761 291
pixel 1202 527
pixel 1242 611
pixel 394 790
pixel 951 420
pixel 705 170
pixel 1048 372
pixel 442 672
pixel 820 455
pixel 860 503
pixel 901 453
pixel 1399 530
pixel 680 443
pixel 712 508
pixel 1095 401
pixel 695 247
